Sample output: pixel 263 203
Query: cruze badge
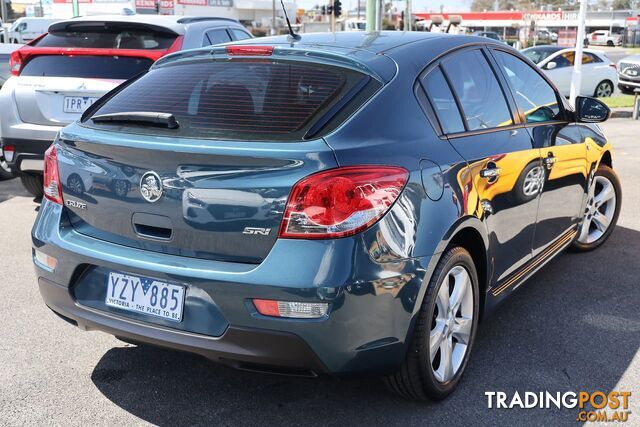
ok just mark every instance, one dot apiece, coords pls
pixel 151 187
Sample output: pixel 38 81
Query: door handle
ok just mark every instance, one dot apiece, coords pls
pixel 490 173
pixel 550 160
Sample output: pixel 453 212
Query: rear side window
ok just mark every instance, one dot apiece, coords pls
pixel 443 102
pixel 109 39
pixel 477 88
pixel 216 37
pixel 239 34
pixel 241 99
pixel 97 67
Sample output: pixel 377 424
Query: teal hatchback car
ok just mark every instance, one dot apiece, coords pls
pixel 341 204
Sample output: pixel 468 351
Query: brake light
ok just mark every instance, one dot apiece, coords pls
pixel 341 202
pixel 8 151
pixel 52 185
pixel 15 62
pixel 176 45
pixel 612 65
pixel 245 50
pixel 291 309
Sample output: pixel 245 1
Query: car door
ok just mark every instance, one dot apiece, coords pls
pixel 563 180
pixel 499 154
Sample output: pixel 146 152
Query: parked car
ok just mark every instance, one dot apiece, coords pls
pixel 599 75
pixel 60 74
pixel 488 34
pixel 5 53
pixel 23 30
pixel 629 74
pixel 605 38
pixel 331 234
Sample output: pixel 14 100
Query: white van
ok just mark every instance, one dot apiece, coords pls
pixel 24 30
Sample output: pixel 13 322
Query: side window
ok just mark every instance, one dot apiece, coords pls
pixel 239 34
pixel 534 96
pixel 564 60
pixel 216 37
pixel 589 58
pixel 443 101
pixel 478 90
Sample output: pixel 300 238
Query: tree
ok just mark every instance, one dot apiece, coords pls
pixel 621 4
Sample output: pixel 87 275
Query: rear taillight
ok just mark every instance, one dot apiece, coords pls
pixel 15 62
pixel 612 65
pixel 248 50
pixel 341 202
pixel 8 152
pixel 52 186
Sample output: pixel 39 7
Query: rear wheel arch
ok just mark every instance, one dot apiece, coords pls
pixel 470 239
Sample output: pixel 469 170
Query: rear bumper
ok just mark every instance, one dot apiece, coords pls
pixel 372 304
pixel 29 154
pixel 243 348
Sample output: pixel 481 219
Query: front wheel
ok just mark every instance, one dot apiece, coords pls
pixel 602 210
pixel 604 89
pixel 444 333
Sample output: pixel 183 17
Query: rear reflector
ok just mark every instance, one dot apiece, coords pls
pixel 249 50
pixel 45 260
pixel 51 181
pixel 8 151
pixel 341 202
pixel 291 309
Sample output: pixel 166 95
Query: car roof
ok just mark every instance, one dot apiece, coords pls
pixel 546 48
pixel 174 23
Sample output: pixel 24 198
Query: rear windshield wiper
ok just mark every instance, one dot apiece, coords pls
pixel 151 118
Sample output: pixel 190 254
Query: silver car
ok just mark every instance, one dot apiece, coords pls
pixel 629 74
pixel 60 74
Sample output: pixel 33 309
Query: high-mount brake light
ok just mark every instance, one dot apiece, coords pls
pixel 247 50
pixel 15 62
pixel 51 181
pixel 341 202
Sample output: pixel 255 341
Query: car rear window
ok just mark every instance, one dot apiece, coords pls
pixel 116 38
pixel 98 67
pixel 241 99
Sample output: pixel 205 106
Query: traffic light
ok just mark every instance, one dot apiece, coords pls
pixel 323 10
pixel 329 9
pixel 337 8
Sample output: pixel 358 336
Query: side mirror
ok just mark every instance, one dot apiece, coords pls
pixel 551 65
pixel 591 110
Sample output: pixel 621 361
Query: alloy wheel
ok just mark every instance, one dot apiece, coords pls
pixel 604 89
pixel 533 181
pixel 451 324
pixel 600 210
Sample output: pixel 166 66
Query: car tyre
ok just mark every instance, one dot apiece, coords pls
pixel 417 378
pixel 604 89
pixel 33 184
pixel 5 170
pixel 530 182
pixel 590 232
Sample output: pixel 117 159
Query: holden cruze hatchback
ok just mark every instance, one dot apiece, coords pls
pixel 344 204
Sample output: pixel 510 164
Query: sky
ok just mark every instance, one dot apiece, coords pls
pixel 418 5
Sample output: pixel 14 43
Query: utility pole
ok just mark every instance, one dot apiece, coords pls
pixel 3 10
pixel 75 7
pixel 273 18
pixel 576 79
pixel 407 16
pixel 371 15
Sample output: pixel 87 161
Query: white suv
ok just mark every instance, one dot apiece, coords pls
pixel 58 75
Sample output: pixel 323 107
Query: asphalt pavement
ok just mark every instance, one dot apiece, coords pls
pixel 574 326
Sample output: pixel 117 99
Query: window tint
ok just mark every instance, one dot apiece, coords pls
pixel 246 100
pixel 477 88
pixel 443 102
pixel 239 34
pixel 108 39
pixel 216 37
pixel 98 67
pixel 534 96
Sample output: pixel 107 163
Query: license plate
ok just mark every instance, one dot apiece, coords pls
pixel 144 295
pixel 77 104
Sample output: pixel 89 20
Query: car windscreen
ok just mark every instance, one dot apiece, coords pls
pixel 237 100
pixel 97 67
pixel 114 38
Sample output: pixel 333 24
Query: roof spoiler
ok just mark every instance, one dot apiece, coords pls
pixel 71 25
pixel 193 19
